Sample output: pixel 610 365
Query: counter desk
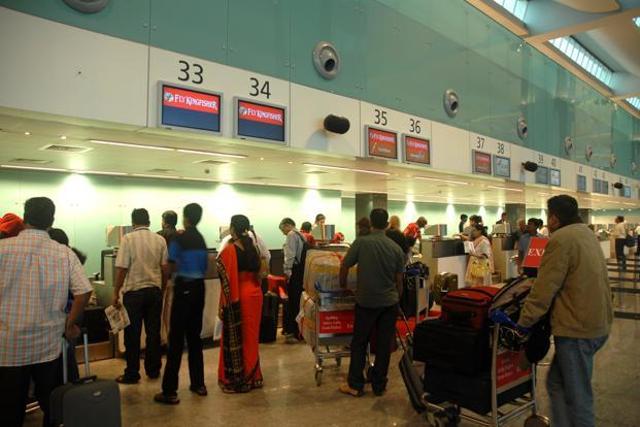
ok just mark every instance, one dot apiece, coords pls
pixel 444 255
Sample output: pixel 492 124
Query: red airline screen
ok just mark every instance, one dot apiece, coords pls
pixel 382 143
pixel 417 150
pixel 481 162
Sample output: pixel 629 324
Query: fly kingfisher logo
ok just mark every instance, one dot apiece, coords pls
pixel 379 136
pixel 191 100
pixel 168 97
pixel 260 113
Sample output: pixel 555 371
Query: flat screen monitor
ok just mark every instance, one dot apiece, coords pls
pixel 542 175
pixel 382 143
pixel 554 177
pixel 627 192
pixel 597 187
pixel 605 187
pixel 481 162
pixel 260 121
pixel 191 109
pixel 582 183
pixel 417 150
pixel 502 166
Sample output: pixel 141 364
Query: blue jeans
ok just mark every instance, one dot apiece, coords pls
pixel 569 381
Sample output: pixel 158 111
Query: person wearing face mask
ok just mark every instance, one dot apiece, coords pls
pixel 573 286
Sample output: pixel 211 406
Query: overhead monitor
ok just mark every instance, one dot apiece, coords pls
pixel 182 107
pixel 554 177
pixel 502 166
pixel 381 143
pixel 417 150
pixel 605 187
pixel 627 192
pixel 582 183
pixel 542 175
pixel 260 121
pixel 481 162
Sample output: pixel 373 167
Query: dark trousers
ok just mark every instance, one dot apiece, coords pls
pixel 294 292
pixel 144 305
pixel 638 246
pixel 620 256
pixel 383 321
pixel 186 321
pixel 14 389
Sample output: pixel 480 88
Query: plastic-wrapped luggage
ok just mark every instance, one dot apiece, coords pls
pixel 322 272
pixel 307 318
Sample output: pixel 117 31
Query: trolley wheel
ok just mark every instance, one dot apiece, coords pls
pixel 338 361
pixel 449 417
pixel 318 375
pixel 537 421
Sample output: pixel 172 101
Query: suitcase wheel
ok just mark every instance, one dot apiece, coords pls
pixel 537 421
pixel 318 375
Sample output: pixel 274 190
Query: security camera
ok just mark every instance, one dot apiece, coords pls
pixel 451 102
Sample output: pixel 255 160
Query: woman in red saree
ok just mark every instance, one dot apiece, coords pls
pixel 240 311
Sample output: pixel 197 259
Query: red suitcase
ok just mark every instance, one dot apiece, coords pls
pixel 468 306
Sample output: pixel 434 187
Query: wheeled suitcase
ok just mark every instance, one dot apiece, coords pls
pixel 408 371
pixel 269 322
pixel 452 347
pixel 86 402
pixel 469 306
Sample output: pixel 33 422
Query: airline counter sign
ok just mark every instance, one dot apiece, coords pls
pixel 536 249
pixel 417 150
pixel 260 121
pixel 182 107
pixel 382 143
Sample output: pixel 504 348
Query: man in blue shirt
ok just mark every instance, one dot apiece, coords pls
pixel 188 260
pixel 525 239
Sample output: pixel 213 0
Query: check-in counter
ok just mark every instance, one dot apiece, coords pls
pixel 503 256
pixel 444 255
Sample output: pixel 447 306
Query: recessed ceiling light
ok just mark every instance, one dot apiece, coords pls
pixel 34 168
pixel 27 133
pixel 261 158
pixel 290 163
pixel 517 190
pixel 129 145
pixel 63 137
pixel 212 153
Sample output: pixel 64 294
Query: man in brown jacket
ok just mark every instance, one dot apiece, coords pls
pixel 572 284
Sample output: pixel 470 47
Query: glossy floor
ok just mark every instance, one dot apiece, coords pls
pixel 291 398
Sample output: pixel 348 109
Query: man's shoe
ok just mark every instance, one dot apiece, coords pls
pixel 379 393
pixel 346 389
pixel 199 390
pixel 291 339
pixel 153 375
pixel 123 379
pixel 167 399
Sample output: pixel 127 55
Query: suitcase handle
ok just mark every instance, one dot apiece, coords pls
pixel 481 291
pixel 87 371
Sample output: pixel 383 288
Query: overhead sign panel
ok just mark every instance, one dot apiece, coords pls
pixel 191 109
pixel 542 175
pixel 502 166
pixel 417 150
pixel 260 121
pixel 481 162
pixel 555 177
pixel 582 183
pixel 382 143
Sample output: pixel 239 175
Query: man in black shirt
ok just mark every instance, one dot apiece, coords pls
pixel 169 222
pixel 463 221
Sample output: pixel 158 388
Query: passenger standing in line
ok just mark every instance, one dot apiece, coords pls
pixel 572 285
pixel 141 275
pixel 394 223
pixel 241 311
pixel 364 227
pixel 169 222
pixel 518 232
pixel 305 229
pixel 480 266
pixel 381 265
pixel 10 225
pixel 620 234
pixel 473 221
pixel 294 256
pixel 414 229
pixel 463 221
pixel 73 374
pixel 36 275
pixel 188 262
pixel 524 241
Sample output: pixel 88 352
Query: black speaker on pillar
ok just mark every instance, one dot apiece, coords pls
pixel 336 124
pixel 530 166
pixel 618 185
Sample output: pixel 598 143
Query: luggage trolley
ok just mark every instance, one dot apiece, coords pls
pixel 334 318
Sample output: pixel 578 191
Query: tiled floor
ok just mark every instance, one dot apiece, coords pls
pixel 291 398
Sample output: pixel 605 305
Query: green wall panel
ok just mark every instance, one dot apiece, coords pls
pixel 259 36
pixel 125 19
pixel 197 27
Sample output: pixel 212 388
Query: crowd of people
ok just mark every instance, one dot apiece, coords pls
pixel 43 292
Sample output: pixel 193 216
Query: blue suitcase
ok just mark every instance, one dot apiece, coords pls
pixel 86 402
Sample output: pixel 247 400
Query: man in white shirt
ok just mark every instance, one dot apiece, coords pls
pixel 620 234
pixel 294 254
pixel 141 273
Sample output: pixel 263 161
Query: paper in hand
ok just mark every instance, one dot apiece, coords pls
pixel 118 318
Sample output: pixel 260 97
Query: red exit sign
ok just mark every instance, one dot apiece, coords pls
pixel 533 258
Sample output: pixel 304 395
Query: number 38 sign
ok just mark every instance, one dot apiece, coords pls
pixel 489 145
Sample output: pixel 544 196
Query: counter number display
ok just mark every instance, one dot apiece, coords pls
pixel 582 183
pixel 542 175
pixel 555 178
pixel 381 143
pixel 256 120
pixel 502 166
pixel 416 150
pixel 191 109
pixel 481 162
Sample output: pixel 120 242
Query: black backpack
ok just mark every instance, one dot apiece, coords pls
pixel 305 247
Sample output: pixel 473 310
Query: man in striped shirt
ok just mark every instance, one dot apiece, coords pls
pixel 36 275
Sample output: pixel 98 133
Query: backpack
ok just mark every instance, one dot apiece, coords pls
pixel 303 254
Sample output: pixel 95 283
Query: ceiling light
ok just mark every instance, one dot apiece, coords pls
pixel 27 133
pixel 129 145
pixel 342 168
pixel 261 158
pixel 448 181
pixel 144 175
pixel 290 163
pixel 211 153
pixel 35 168
pixel 63 137
pixel 543 194
pixel 629 204
pixel 517 190
pixel 100 173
